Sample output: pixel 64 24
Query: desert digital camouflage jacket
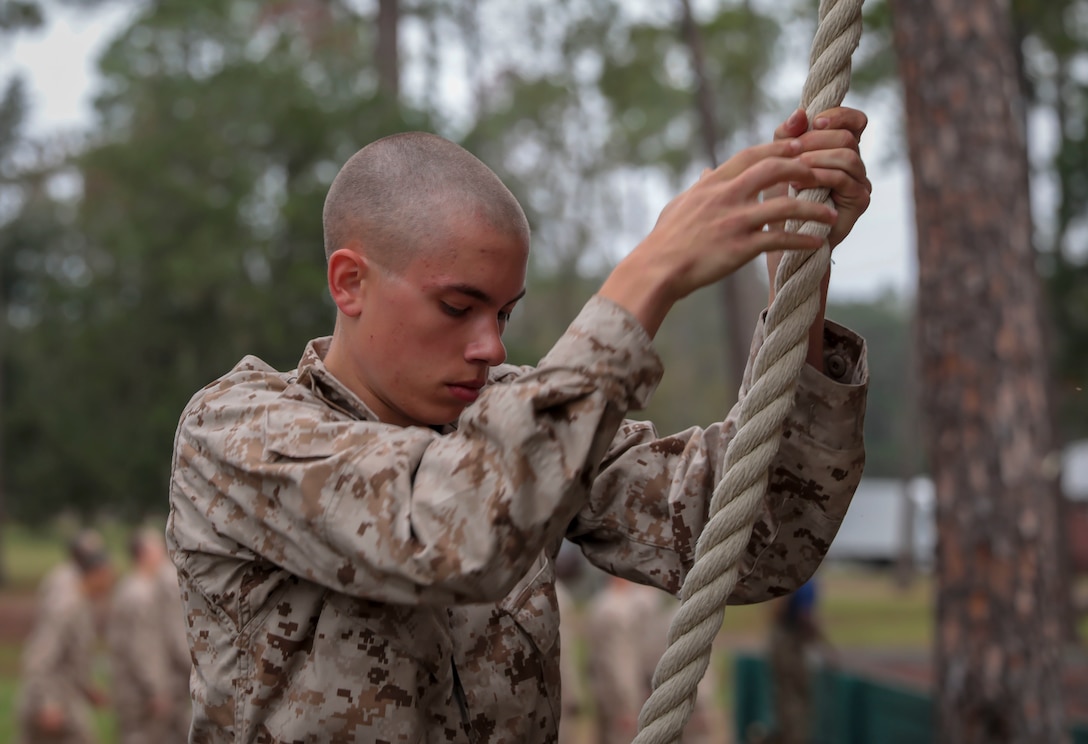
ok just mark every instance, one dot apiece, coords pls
pixel 351 581
pixel 57 659
pixel 139 654
pixel 149 662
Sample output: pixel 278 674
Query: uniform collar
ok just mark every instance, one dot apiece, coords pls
pixel 315 376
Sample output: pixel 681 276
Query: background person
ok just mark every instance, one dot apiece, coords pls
pixel 58 689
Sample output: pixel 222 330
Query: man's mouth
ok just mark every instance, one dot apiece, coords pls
pixel 467 391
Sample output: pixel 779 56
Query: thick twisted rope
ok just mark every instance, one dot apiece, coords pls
pixel 738 497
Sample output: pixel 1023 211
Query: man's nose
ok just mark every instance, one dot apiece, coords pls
pixel 487 346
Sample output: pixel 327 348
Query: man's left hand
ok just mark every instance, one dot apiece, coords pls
pixel 831 148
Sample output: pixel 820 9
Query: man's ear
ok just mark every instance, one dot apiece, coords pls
pixel 347 272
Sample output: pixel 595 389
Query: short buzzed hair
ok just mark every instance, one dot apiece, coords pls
pixel 141 539
pixel 393 195
pixel 88 550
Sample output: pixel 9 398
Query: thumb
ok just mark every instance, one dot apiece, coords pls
pixel 794 126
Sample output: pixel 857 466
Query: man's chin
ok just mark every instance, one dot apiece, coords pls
pixel 439 416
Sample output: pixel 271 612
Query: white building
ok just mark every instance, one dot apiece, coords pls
pixel 885 515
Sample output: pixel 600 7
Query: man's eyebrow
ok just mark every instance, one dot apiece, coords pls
pixel 478 294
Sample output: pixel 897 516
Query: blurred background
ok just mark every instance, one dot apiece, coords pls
pixel 163 167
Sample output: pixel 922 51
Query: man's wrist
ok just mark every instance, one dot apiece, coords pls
pixel 642 289
pixel 816 330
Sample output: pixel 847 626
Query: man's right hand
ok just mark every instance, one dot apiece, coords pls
pixel 159 706
pixel 714 228
pixel 50 719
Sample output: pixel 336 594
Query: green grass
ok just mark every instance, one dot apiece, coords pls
pixel 8 692
pixel 29 553
pixel 867 611
pixel 859 609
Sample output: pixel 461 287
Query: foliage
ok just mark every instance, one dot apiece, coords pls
pixel 146 256
pixel 220 131
pixel 892 445
pixel 19 14
pixel 693 392
pixel 1054 38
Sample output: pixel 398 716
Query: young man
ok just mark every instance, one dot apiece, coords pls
pixel 149 686
pixel 626 627
pixel 58 689
pixel 796 631
pixel 366 544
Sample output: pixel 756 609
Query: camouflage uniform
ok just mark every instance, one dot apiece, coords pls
pixel 347 580
pixel 570 673
pixel 144 623
pixel 57 660
pixel 179 662
pixel 627 630
pixel 792 686
pixel 794 636
pixel 625 636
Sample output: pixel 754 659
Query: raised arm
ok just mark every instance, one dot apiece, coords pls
pixel 405 514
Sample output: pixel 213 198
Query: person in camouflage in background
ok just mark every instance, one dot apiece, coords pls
pixel 365 544
pixel 142 631
pixel 627 627
pixel 625 636
pixel 179 661
pixel 797 638
pixel 57 659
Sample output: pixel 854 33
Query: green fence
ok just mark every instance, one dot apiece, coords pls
pixel 848 708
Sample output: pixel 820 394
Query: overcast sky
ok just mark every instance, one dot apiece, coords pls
pixel 59 63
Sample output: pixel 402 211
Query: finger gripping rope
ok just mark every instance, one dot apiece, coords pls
pixel 777 365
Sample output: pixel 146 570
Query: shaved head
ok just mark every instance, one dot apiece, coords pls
pixel 398 194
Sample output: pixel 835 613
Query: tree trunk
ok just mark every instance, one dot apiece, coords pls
pixel 387 54
pixel 983 375
pixel 741 296
pixel 4 577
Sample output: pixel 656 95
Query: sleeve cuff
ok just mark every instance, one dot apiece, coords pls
pixel 830 408
pixel 829 405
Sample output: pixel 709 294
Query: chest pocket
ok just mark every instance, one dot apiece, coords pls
pixel 533 606
pixel 507 660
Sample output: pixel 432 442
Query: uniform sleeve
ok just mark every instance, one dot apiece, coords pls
pixel 651 500
pixel 403 514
